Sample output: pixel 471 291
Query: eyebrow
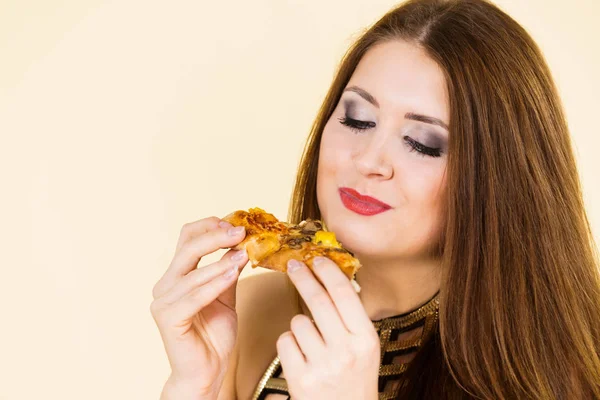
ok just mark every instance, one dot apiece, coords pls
pixel 412 116
pixel 427 120
pixel 364 94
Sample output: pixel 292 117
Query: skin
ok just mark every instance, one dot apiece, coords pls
pixel 194 309
pixel 322 357
pixel 399 273
pixel 323 353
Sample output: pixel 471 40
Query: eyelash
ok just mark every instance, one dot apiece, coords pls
pixel 360 126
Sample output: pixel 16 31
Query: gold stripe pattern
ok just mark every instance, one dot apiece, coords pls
pixel 268 375
pixel 277 384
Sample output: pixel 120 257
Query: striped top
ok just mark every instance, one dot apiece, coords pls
pixel 400 337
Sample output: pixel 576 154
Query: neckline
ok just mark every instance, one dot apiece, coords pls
pixel 408 314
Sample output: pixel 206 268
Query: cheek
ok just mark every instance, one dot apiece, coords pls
pixel 418 220
pixel 335 139
pixel 335 151
pixel 421 182
pixel 333 166
pixel 426 193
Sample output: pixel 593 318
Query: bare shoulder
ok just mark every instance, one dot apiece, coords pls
pixel 265 305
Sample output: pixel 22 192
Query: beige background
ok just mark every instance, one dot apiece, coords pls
pixel 122 120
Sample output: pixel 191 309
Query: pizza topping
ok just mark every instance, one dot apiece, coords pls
pixel 310 227
pixel 296 242
pixel 326 239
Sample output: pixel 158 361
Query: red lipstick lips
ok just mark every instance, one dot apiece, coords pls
pixel 363 205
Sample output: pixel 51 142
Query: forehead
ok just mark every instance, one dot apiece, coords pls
pixel 403 78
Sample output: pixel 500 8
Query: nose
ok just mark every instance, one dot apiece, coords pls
pixel 371 159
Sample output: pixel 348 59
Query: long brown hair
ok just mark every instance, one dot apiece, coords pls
pixel 520 295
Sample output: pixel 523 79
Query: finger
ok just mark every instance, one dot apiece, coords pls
pixel 192 303
pixel 317 300
pixel 308 337
pixel 290 355
pixel 200 276
pixel 192 252
pixel 188 257
pixel 344 297
pixel 188 231
pixel 196 228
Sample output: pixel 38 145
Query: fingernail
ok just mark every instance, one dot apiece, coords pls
pixel 293 265
pixel 224 224
pixel 231 272
pixel 238 256
pixel 235 231
pixel 318 261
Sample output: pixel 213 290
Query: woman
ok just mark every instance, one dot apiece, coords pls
pixel 442 159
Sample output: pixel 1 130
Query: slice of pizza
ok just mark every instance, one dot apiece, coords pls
pixel 271 243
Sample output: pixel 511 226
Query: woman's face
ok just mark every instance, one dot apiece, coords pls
pixel 387 139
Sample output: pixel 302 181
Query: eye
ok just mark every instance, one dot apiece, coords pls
pixel 422 149
pixel 356 125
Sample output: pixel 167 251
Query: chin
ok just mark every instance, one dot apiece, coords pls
pixel 362 239
pixel 377 240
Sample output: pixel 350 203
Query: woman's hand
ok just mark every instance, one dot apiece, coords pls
pixel 194 309
pixel 339 357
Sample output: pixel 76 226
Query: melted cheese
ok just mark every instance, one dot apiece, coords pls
pixel 326 239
